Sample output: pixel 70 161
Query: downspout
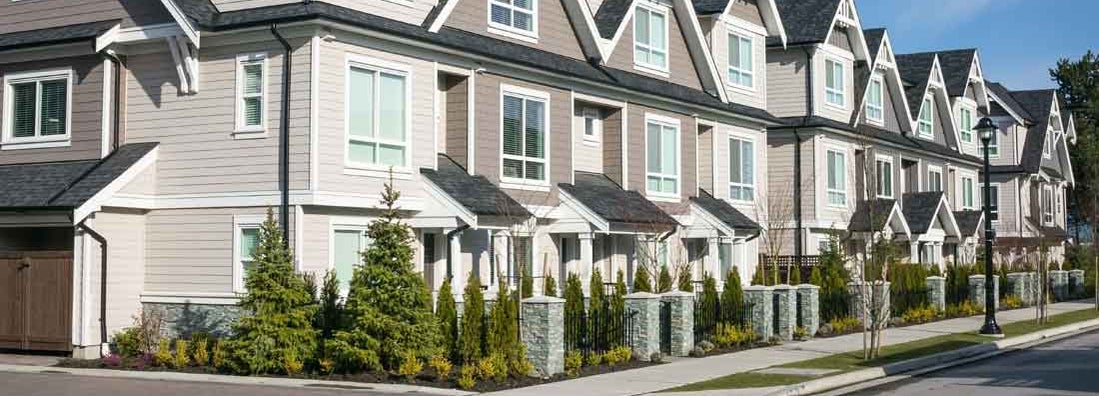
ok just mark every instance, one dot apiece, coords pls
pixel 284 137
pixel 102 285
pixel 799 237
pixel 450 257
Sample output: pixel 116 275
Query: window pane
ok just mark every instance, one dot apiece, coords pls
pixel 656 39
pixel 23 105
pixel 513 168
pixel 668 185
pixel 657 58
pixel 830 75
pixel 734 51
pixel 734 161
pixel 522 20
pixel 535 121
pixel 253 78
pixel 391 105
pixel 513 124
pixel 535 171
pixel 748 164
pixel 653 147
pixel 253 111
pixel 668 156
pixel 653 184
pixel 641 26
pixel 391 155
pixel 524 4
pixel 361 106
pixel 362 152
pixel 501 15
pixel 54 103
pixel 831 169
pixel 347 246
pixel 249 239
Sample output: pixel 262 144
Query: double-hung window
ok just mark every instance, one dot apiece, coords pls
pixel 837 178
pixel 834 89
pixel 925 125
pixel 875 110
pixel 251 93
pixel 965 122
pixel 650 38
pixel 934 179
pixel 593 123
pixel 246 239
pixel 524 138
pixel 742 170
pixel 884 171
pixel 662 151
pixel 994 202
pixel 348 244
pixel 741 71
pixel 377 117
pixel 37 107
pixel 1047 205
pixel 967 193
pixel 518 16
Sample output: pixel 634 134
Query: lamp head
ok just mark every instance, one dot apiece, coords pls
pixel 985 127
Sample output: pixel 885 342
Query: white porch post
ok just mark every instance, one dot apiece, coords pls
pixel 937 253
pixel 914 251
pixel 457 266
pixel 712 261
pixel 587 261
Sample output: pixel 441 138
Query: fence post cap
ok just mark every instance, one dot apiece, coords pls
pixel 757 288
pixel 935 277
pixel 542 299
pixel 807 286
pixel 678 293
pixel 978 276
pixel 781 287
pixel 641 296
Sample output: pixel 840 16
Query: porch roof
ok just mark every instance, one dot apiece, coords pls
pixel 65 185
pixel 922 209
pixel 862 221
pixel 473 192
pixel 969 221
pixel 609 201
pixel 724 212
pixel 55 35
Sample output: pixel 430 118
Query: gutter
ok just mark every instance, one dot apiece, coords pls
pixel 284 137
pixel 450 257
pixel 104 347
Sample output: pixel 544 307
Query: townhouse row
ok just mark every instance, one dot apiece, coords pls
pixel 143 141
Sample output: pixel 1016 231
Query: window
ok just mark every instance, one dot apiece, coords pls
pixel 246 238
pixel 1047 205
pixel 377 117
pixel 884 172
pixel 524 138
pixel 834 88
pixel 741 170
pixel 593 123
pixel 1047 148
pixel 251 93
pixel 837 178
pixel 650 38
pixel 662 152
pixel 874 106
pixel 926 122
pixel 994 145
pixel 740 61
pixel 965 122
pixel 518 16
pixel 934 179
pixel 37 108
pixel 347 247
pixel 994 202
pixel 967 193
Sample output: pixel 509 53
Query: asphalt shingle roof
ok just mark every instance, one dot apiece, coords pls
pixel 1007 100
pixel 707 7
pixel 1038 103
pixel 861 219
pixel 915 70
pixel 969 221
pixel 955 65
pixel 610 16
pixel 608 200
pixel 919 209
pixel 874 39
pixel 474 192
pixel 724 212
pixel 55 35
pixel 806 21
pixel 879 133
pixel 65 184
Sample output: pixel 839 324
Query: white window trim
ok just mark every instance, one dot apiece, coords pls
pixel 596 115
pixel 376 170
pixel 735 32
pixel 8 140
pixel 243 131
pixel 661 71
pixel 1047 144
pixel 846 182
pixel 1049 207
pixel 995 187
pixel 241 222
pixel 752 185
pixel 973 193
pixel 530 36
pixel 972 122
pixel 937 170
pixel 880 107
pixel 670 122
pixel 892 183
pixel 931 122
pixel 523 183
pixel 842 90
pixel 345 223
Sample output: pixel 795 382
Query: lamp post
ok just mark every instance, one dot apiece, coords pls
pixel 986 128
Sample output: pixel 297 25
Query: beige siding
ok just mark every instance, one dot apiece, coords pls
pixel 408 11
pixel 126 263
pixel 688 135
pixel 828 214
pixel 457 119
pixel 892 116
pixel 86 121
pixel 786 79
pixel 747 10
pixel 719 45
pixel 721 166
pixel 613 159
pixel 198 153
pixel 820 104
pixel 707 136
pixel 555 32
pixel 587 152
pixel 840 38
pixel 681 69
pixel 23 15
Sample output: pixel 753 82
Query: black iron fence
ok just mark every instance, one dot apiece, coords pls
pixel 708 314
pixel 786 264
pixel 599 330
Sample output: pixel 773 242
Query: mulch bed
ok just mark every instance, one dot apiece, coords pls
pixel 427 378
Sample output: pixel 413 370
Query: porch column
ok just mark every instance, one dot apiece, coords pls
pixel 937 253
pixel 712 262
pixel 914 251
pixel 587 261
pixel 457 265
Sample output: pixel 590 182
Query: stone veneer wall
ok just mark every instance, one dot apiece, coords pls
pixel 184 319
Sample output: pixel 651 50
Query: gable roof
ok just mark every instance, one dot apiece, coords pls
pixel 969 221
pixel 768 11
pixel 474 192
pixel 56 35
pixel 807 21
pixel 874 39
pixel 611 15
pixel 65 185
pixel 608 200
pixel 721 209
pixel 883 210
pixel 877 40
pixel 955 66
pixel 1039 104
pixel 922 208
pixel 1003 96
pixel 915 70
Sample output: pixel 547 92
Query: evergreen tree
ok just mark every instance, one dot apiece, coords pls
pixel 664 282
pixel 641 280
pixel 503 332
pixel 549 286
pixel 595 303
pixel 574 311
pixel 277 325
pixel 527 286
pixel 732 298
pixel 758 278
pixel 329 318
pixel 471 340
pixel 618 306
pixel 815 277
pixel 708 304
pixel 446 310
pixel 684 278
pixel 388 306
pixel 795 275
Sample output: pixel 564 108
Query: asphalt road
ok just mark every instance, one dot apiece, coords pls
pixel 1065 367
pixel 65 385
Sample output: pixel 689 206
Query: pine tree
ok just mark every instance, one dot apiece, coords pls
pixel 641 280
pixel 664 281
pixel 471 340
pixel 330 315
pixel 574 310
pixel 732 298
pixel 278 322
pixel 684 279
pixel 388 306
pixel 446 310
pixel 549 286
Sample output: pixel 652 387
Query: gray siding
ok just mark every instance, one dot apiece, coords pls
pixel 786 94
pixel 613 160
pixel 555 33
pixel 408 11
pixel 637 144
pixel 23 15
pixel 457 119
pixel 747 10
pixel 681 68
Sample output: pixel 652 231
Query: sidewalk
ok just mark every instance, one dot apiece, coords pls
pixel 687 370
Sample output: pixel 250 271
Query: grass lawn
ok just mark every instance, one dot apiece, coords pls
pixel 851 361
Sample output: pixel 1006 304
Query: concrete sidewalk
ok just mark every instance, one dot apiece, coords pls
pixel 686 371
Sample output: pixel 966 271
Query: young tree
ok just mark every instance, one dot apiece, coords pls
pixel 329 318
pixel 597 298
pixel 549 286
pixel 684 281
pixel 664 281
pixel 277 325
pixel 446 310
pixel 503 332
pixel 574 310
pixel 471 340
pixel 641 280
pixel 732 298
pixel 389 306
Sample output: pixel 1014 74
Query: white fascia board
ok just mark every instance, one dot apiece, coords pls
pixel 711 220
pixel 696 42
pixel 95 203
pixel 105 39
pixel 587 214
pixel 450 203
pixel 189 29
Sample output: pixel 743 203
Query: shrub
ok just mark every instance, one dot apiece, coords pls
pixel 389 306
pixel 596 304
pixel 527 285
pixel 758 278
pixel 794 276
pixel 685 279
pixel 957 283
pixel 965 308
pixel 732 298
pixel 519 365
pixel 441 365
pixel 801 333
pixel 664 280
pixel 128 342
pixel 833 285
pixel 594 359
pixel 163 355
pixel 218 355
pixel 201 355
pixel 292 364
pixel 465 377
pixel 908 287
pixel 504 331
pixel 113 360
pixel 326 365
pixel 921 314
pixel 549 286
pixel 493 367
pixel 470 347
pixel 410 366
pixel 1011 302
pixel 446 310
pixel 278 309
pixel 641 280
pixel 573 361
pixel 574 311
pixel 730 335
pixel 707 304
pixel 181 358
pixel 844 324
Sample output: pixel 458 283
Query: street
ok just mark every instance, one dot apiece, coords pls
pixel 1066 367
pixel 64 385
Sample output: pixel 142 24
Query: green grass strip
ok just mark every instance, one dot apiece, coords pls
pixel 851 361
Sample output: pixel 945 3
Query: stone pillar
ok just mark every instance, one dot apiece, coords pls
pixel 587 262
pixel 786 314
pixel 1059 282
pixel 936 292
pixel 809 308
pixel 758 302
pixel 1017 286
pixel 645 327
pixel 977 291
pixel 857 291
pixel 1033 291
pixel 543 333
pixel 1076 280
pixel 682 321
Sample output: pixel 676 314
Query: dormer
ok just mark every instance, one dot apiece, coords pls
pixel 545 25
pixel 964 81
pixel 928 100
pixel 883 102
pixel 736 32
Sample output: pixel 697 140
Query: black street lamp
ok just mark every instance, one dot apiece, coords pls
pixel 986 128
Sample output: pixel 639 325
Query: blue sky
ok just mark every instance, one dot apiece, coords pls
pixel 1019 40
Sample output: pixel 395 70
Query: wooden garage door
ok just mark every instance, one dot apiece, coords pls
pixel 36 300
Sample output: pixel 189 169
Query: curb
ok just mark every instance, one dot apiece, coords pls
pixel 934 362
pixel 311 384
